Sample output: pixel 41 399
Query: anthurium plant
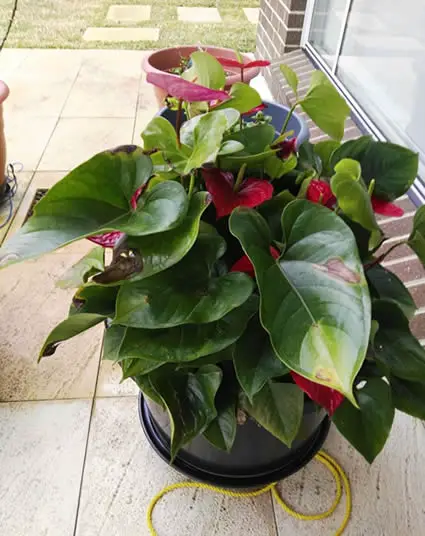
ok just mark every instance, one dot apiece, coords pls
pixel 246 271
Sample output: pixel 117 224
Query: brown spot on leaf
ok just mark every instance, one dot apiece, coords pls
pixel 123 266
pixel 50 349
pixel 337 269
pixel 124 149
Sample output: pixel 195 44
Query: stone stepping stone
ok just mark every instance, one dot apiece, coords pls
pixel 121 34
pixel 252 14
pixel 198 14
pixel 127 13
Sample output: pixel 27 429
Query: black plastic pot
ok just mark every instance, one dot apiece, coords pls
pixel 257 457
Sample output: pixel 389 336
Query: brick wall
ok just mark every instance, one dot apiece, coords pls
pixel 278 32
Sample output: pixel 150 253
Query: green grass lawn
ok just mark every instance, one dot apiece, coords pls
pixel 61 24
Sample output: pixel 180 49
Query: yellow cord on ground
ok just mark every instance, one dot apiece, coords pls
pixel 341 480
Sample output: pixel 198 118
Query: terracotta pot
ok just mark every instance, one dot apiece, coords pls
pixel 168 58
pixel 4 92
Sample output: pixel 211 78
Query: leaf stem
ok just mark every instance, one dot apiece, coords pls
pixel 379 259
pixel 239 178
pixel 288 117
pixel 179 120
pixel 191 184
pixel 242 73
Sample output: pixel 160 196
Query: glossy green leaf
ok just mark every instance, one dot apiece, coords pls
pixel 272 210
pixel 94 198
pixel 278 407
pixel 185 293
pixel 187 342
pixel 222 430
pixel 395 348
pixel 243 98
pixel 384 285
pixel 95 299
pixel 348 166
pixel 255 360
pixel 315 302
pixel 325 106
pixel 68 328
pixel 255 139
pixel 354 200
pixel 160 135
pixel 367 428
pixel 112 341
pixel 80 272
pixel 144 383
pixel 158 255
pixel 393 167
pixel 291 78
pixel 276 168
pixel 417 236
pixel 188 132
pixel 408 397
pixel 206 70
pixel 137 367
pixel 325 150
pixel 231 147
pixel 308 159
pixel 189 399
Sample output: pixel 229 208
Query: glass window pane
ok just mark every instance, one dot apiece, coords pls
pixel 382 63
pixel 326 24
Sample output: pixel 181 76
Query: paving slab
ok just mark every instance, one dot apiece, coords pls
pixel 198 14
pixel 129 13
pixel 252 14
pixel 41 459
pixel 121 35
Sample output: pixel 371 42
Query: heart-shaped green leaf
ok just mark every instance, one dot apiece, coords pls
pixel 395 348
pixel 230 147
pixel 272 210
pixel 291 78
pixel 185 293
pixel 206 70
pixel 325 106
pixel 384 285
pixel 408 397
pixel 112 341
pixel 137 367
pixel 393 167
pixel 417 236
pixel 243 98
pixel 187 342
pixel 348 166
pixel 94 198
pixel 367 428
pixel 254 359
pixel 278 407
pixel 189 399
pixel 222 430
pixel 94 299
pixel 80 272
pixel 70 327
pixel 189 129
pixel 325 150
pixel 354 201
pixel 276 168
pixel 255 139
pixel 160 254
pixel 315 302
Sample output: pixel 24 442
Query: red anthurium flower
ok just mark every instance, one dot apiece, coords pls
pixel 251 193
pixel 385 208
pixel 227 62
pixel 108 240
pixel 320 192
pixel 245 265
pixel 324 396
pixel 286 148
pixel 258 108
pixel 183 89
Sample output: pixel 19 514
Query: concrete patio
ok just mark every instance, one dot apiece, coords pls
pixel 73 457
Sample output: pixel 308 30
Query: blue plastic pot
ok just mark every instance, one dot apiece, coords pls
pixel 278 113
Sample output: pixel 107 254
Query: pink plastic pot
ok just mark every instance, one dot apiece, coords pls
pixel 4 93
pixel 169 58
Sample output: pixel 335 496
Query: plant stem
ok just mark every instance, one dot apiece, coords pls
pixel 242 70
pixel 288 117
pixel 191 184
pixel 239 178
pixel 379 259
pixel 179 120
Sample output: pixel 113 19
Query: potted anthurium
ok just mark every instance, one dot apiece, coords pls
pixel 246 295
